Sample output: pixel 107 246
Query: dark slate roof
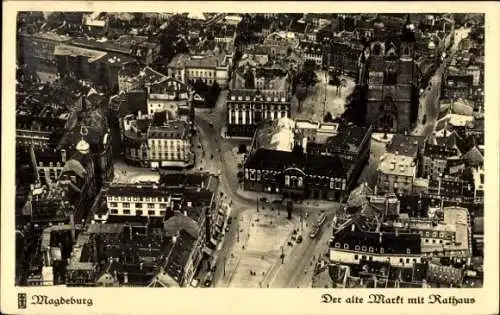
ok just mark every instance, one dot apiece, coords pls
pixel 47 156
pixel 184 179
pixel 136 101
pixel 419 272
pixel 327 166
pixel 179 255
pixel 349 137
pixel 414 205
pixel 405 145
pixel 271 159
pixel 297 26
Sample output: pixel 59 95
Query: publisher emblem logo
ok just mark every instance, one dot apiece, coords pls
pixel 21 300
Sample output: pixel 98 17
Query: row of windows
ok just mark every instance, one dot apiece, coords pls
pixel 200 73
pixel 170 144
pixel 433 241
pixel 137 212
pixel 370 258
pixel 137 205
pixel 365 248
pixel 129 198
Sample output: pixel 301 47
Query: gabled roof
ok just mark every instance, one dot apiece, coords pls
pixel 474 156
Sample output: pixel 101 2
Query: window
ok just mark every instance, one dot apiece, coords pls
pixel 370 258
pixel 151 205
pixel 427 240
pixel 337 245
pixel 356 247
pixel 414 260
pixel 401 260
pixel 138 212
pixel 370 249
pixel 126 205
pixel 440 241
pixel 381 250
pixel 129 198
pixel 138 205
pixel 114 211
pixel 407 260
pixel 355 257
pixel 363 248
pixel 162 213
pixel 433 241
pixel 163 205
pixel 126 211
pixel 408 251
pixel 151 212
pixel 113 204
pixel 346 246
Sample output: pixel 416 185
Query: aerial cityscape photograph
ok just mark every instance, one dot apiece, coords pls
pixel 249 150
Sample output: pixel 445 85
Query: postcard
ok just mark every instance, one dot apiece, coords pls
pixel 249 157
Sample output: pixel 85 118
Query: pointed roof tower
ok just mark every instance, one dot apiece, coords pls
pixel 408 32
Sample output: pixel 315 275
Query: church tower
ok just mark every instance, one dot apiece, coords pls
pixel 408 40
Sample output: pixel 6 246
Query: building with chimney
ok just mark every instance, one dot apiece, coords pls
pixel 396 173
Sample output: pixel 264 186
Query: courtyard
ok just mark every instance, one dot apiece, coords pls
pixel 313 107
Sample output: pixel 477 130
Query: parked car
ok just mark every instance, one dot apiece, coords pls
pixel 299 239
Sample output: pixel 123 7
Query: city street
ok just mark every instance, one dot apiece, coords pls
pixel 298 267
pixel 244 205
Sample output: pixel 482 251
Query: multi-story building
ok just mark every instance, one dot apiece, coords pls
pixel 436 159
pixel 170 145
pixel 351 245
pixel 135 140
pixel 396 173
pixel 136 47
pixel 343 56
pixel 207 68
pixel 478 175
pixel 281 43
pixel 286 158
pixel 49 164
pixel 351 143
pixel 87 62
pixel 262 78
pixel 247 108
pixel 457 86
pixel 312 51
pixel 390 77
pixel 38 49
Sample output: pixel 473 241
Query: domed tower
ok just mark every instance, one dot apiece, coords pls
pixel 83 146
pixel 408 39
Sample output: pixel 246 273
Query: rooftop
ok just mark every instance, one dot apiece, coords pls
pixel 405 145
pixel 177 129
pixel 397 165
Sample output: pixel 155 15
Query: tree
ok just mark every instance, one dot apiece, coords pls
pixel 309 66
pixel 249 80
pixel 300 94
pixel 328 117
